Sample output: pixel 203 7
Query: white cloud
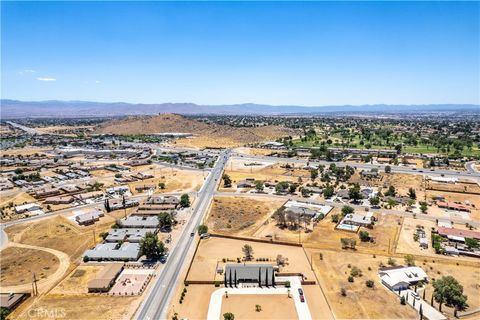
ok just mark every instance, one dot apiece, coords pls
pixel 26 71
pixel 46 79
pixel 96 81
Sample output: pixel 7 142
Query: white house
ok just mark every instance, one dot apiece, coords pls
pixel 27 207
pixel 400 278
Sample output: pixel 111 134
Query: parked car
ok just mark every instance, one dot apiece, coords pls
pixel 192 234
pixel 300 291
pixel 415 295
pixel 302 299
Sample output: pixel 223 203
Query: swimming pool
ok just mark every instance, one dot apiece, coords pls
pixel 347 227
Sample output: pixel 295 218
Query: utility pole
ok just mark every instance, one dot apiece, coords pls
pixel 94 238
pixel 34 285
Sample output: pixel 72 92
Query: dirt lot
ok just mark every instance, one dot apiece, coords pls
pixel 467 275
pixel 18 265
pixel 195 303
pixel 360 302
pixel 264 171
pixel 273 306
pixel 385 233
pixel 213 250
pixel 76 282
pixel 455 187
pixel 175 180
pixel 240 215
pixel 57 233
pixel 80 307
pixel 25 151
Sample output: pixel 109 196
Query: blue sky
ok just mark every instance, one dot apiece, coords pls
pixel 304 53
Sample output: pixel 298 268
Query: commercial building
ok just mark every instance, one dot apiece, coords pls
pixel 128 235
pixel 105 279
pixel 114 251
pixel 262 274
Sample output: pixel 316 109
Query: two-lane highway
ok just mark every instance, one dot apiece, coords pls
pixel 158 297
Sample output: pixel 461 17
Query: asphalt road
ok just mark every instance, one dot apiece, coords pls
pixel 26 129
pixel 367 166
pixel 157 300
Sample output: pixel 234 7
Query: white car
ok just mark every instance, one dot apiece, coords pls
pixel 415 295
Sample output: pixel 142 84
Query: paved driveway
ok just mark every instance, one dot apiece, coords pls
pixel 428 311
pixel 215 306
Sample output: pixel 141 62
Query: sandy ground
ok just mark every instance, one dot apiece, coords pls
pixel 272 306
pixel 25 151
pixel 385 233
pixel 19 264
pixel 195 303
pixel 57 233
pixel 176 180
pixel 257 151
pixel 80 307
pixel 76 282
pixel 240 215
pixel 211 252
pixel 361 302
pixel 467 275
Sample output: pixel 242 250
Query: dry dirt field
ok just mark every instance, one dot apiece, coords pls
pixel 176 180
pixel 385 232
pixel 454 187
pixel 25 151
pixel 468 275
pixel 195 303
pixel 80 307
pixel 360 302
pixel 273 306
pixel 18 265
pixel 212 251
pixel 76 282
pixel 60 234
pixel 240 215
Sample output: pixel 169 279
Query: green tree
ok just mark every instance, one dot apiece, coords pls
pixel 247 251
pixel 164 220
pixel 313 174
pixel 423 207
pixel 328 191
pixel 346 210
pixel 259 186
pixel 354 192
pixel 374 201
pixel 472 243
pixel 228 316
pixel 202 229
pixel 409 260
pixel 162 185
pixel 364 236
pixel 151 246
pixel 185 201
pixel 391 191
pixel 448 290
pixel 412 194
pixel 227 181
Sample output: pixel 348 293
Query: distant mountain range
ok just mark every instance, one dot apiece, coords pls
pixel 53 108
